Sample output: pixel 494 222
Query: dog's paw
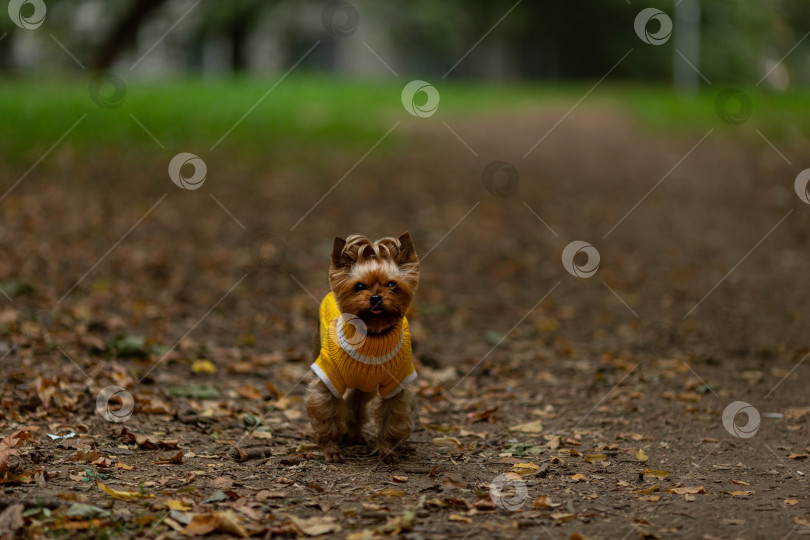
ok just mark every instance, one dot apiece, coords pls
pixel 331 453
pixel 390 457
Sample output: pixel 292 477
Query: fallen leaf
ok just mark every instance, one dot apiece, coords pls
pixel 175 458
pixel 535 426
pixel 11 519
pixel 8 445
pixel 578 477
pixel 176 504
pixel 449 482
pixel 203 366
pixel 797 456
pixel 740 493
pixel 447 441
pixel 525 469
pixel 124 466
pixel 791 502
pixel 389 492
pixel 641 456
pixel 654 473
pixel 649 489
pixel 562 516
pixel 543 501
pixel 249 391
pixel 397 524
pixel 316 525
pixel 687 490
pixel 401 479
pixel 739 482
pixel 121 495
pixel 202 524
pixel 87 457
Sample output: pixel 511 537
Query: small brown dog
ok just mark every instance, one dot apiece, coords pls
pixel 365 345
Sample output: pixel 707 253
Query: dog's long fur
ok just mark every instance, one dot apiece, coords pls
pixel 375 264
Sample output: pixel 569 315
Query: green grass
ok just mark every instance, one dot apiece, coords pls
pixel 308 113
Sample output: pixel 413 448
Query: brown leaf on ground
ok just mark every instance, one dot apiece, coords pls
pixel 225 521
pixel 316 525
pixel 11 519
pixel 687 490
pixel 8 445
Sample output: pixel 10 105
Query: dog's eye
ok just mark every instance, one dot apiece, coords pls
pixel 360 287
pixel 391 284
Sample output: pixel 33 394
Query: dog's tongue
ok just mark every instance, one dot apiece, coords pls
pixel 376 311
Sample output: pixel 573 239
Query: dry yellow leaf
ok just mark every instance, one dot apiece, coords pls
pixel 649 489
pixel 122 495
pixel 459 517
pixel 740 493
pixel 656 474
pixel 641 456
pixel 525 469
pixel 203 366
pixel 579 477
pixel 791 502
pixel 176 504
pixel 399 479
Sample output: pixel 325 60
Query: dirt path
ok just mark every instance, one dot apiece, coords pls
pixel 619 380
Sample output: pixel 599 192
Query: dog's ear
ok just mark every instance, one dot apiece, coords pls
pixel 337 252
pixel 407 253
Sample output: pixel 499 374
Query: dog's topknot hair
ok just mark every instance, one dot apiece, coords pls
pixel 359 247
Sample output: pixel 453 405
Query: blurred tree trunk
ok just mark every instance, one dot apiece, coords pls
pixel 5 51
pixel 123 32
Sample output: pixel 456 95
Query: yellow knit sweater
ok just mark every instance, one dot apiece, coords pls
pixel 370 362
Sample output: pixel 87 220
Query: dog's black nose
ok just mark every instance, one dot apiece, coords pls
pixel 376 300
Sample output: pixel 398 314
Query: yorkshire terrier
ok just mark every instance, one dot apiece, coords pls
pixel 364 345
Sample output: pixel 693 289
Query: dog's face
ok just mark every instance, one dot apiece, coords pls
pixel 375 281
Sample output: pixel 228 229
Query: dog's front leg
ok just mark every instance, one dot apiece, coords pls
pixel 327 417
pixel 394 422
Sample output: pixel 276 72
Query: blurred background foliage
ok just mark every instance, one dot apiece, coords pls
pixel 538 40
pixel 176 58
